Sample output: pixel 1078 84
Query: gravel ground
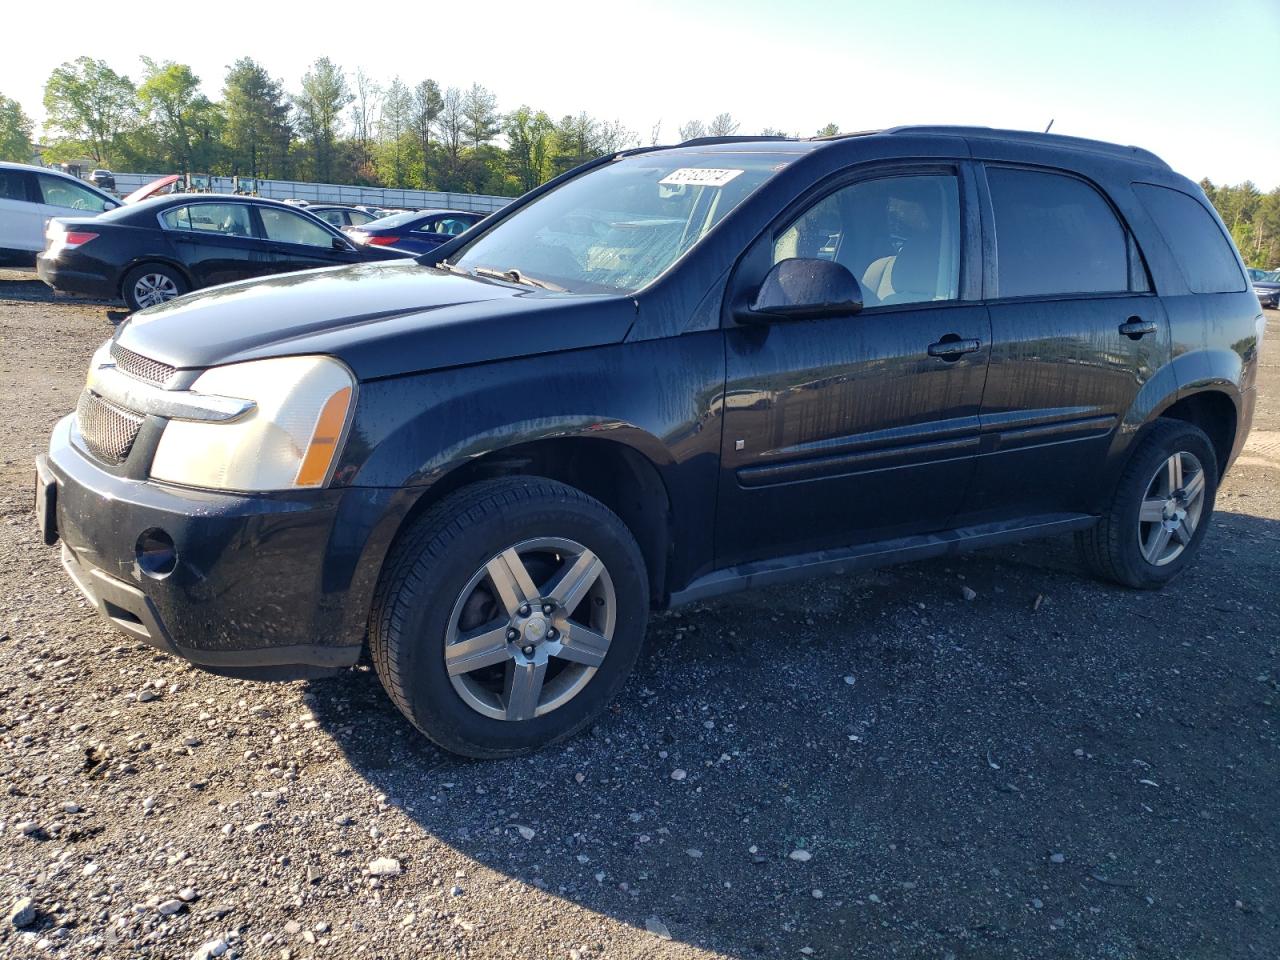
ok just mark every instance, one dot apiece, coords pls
pixel 874 766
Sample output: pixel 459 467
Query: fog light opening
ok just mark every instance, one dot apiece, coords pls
pixel 157 556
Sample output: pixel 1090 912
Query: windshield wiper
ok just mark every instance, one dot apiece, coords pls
pixel 515 276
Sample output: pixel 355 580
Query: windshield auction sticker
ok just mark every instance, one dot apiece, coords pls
pixel 699 177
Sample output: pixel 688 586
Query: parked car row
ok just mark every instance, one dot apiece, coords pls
pixel 1266 284
pixel 154 246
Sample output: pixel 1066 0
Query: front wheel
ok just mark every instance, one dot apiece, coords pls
pixel 1160 509
pixel 509 615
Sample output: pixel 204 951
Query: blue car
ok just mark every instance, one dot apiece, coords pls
pixel 417 232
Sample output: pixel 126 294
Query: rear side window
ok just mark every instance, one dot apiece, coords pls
pixel 228 219
pixel 13 185
pixel 1055 235
pixel 61 192
pixel 1203 252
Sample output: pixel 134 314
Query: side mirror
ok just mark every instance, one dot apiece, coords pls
pixel 803 289
pixel 343 245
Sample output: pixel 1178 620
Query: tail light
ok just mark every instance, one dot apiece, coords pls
pixel 381 241
pixel 76 238
pixel 60 238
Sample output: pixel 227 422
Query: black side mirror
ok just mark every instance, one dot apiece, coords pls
pixel 340 244
pixel 803 289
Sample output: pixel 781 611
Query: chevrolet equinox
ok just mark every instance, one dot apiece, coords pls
pixel 666 375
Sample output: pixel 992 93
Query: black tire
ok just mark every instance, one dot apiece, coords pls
pixel 128 286
pixel 432 563
pixel 1111 550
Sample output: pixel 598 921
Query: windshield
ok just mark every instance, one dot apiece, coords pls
pixel 617 227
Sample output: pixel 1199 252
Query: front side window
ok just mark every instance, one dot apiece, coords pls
pixel 899 236
pixel 618 227
pixel 227 219
pixel 359 217
pixel 61 192
pixel 1055 235
pixel 285 226
pixel 331 217
pixel 1203 253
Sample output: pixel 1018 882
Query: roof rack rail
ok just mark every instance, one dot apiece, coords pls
pixel 707 141
pixel 1034 136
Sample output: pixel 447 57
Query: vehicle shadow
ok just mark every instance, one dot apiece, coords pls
pixel 1055 767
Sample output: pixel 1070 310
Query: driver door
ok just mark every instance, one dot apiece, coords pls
pixel 863 427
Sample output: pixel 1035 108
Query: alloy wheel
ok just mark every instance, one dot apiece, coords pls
pixel 530 629
pixel 1171 509
pixel 153 288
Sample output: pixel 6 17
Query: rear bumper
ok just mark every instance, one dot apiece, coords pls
pixel 68 279
pixel 268 586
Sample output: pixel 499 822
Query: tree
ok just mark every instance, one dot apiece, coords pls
pixel 655 135
pixel 15 132
pixel 615 136
pixel 480 108
pixel 773 132
pixel 427 104
pixel 529 136
pixel 692 130
pixel 451 126
pixel 723 126
pixel 393 126
pixel 257 130
pixel 576 141
pixel 89 102
pixel 178 112
pixel 830 130
pixel 320 104
pixel 364 116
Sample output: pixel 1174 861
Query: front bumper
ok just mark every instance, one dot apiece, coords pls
pixel 1268 298
pixel 266 585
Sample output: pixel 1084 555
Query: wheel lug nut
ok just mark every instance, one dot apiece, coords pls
pixel 527 650
pixel 524 611
pixel 513 634
pixel 548 607
pixel 552 633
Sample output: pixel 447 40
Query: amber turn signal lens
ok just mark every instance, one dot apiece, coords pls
pixel 324 440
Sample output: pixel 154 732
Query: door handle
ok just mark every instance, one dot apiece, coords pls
pixel 1135 328
pixel 951 347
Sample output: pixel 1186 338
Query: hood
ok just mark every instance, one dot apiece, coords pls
pixel 1266 284
pixel 381 319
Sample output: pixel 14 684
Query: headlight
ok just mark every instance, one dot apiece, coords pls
pixel 289 439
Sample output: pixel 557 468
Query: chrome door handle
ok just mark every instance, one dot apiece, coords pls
pixel 952 347
pixel 1135 328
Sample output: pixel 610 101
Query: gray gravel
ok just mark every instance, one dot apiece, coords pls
pixel 983 757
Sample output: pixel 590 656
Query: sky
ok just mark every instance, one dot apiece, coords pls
pixel 1196 81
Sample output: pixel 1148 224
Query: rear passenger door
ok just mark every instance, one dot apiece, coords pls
pixel 215 241
pixel 21 216
pixel 1075 333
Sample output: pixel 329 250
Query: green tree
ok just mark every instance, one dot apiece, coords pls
pixel 577 140
pixel 529 135
pixel 90 103
pixel 394 130
pixel 257 131
pixel 15 132
pixel 451 128
pixel 427 104
pixel 177 111
pixel 830 130
pixel 320 104
pixel 480 109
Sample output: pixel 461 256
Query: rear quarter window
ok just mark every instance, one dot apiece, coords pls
pixel 1200 248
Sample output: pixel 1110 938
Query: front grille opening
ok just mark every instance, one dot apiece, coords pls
pixel 108 431
pixel 116 612
pixel 143 368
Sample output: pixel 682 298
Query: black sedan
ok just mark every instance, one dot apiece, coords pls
pixel 158 249
pixel 1267 287
pixel 416 232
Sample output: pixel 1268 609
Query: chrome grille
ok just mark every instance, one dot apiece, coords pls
pixel 144 368
pixel 108 431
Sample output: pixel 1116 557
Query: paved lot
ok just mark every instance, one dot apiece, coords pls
pixel 1057 768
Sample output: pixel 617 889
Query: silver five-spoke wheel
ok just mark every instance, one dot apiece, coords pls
pixel 530 629
pixel 1171 508
pixel 152 288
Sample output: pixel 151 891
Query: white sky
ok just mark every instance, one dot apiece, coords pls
pixel 1193 81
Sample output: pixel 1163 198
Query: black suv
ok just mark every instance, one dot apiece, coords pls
pixel 669 374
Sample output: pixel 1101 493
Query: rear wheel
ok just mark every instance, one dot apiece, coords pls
pixel 509 615
pixel 152 283
pixel 1160 509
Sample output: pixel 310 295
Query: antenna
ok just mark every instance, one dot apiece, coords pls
pixel 1050 127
